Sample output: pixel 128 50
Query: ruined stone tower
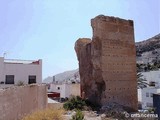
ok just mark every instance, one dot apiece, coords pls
pixel 107 63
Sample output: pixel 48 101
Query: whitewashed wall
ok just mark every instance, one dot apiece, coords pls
pixel 21 72
pixel 66 90
pixel 143 98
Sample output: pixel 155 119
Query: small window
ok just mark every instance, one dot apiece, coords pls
pixel 32 79
pixel 147 94
pixel 2 82
pixel 151 94
pixel 58 88
pixel 149 104
pixel 152 83
pixel 9 79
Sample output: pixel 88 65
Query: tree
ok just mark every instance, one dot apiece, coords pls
pixel 142 83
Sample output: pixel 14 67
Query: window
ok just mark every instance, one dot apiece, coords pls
pixel 32 79
pixel 2 82
pixel 149 104
pixel 147 94
pixel 58 88
pixel 152 83
pixel 151 94
pixel 9 79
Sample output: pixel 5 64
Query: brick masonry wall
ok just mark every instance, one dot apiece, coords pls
pixel 107 63
pixel 117 56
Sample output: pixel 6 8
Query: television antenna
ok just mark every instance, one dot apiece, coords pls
pixel 5 54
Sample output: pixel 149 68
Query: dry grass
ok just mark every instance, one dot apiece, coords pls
pixel 48 114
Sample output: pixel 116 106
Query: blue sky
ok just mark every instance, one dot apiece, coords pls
pixel 48 29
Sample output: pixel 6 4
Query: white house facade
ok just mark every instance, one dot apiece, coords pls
pixel 145 96
pixel 65 89
pixel 15 71
pixel 152 76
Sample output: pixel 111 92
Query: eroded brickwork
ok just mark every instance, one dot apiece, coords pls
pixel 108 63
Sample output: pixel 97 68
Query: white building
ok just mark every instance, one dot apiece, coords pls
pixel 65 89
pixel 14 71
pixel 152 76
pixel 145 96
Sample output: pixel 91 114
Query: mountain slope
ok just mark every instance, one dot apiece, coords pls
pixel 148 50
pixel 72 75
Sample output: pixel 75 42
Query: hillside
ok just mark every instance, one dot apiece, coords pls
pixel 72 75
pixel 148 51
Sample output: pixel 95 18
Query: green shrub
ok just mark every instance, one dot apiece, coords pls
pixel 20 83
pixel 151 110
pixel 74 103
pixel 78 116
pixel 68 105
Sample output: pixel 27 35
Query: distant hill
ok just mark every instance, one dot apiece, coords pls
pixel 148 51
pixel 72 75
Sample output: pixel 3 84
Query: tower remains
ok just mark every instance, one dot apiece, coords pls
pixel 107 63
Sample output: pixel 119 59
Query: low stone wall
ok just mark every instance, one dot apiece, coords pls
pixel 17 101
